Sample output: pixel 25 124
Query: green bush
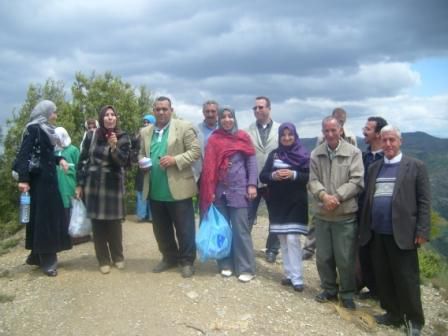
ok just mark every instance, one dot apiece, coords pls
pixel 430 263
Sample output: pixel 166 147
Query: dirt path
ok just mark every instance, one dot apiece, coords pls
pixel 81 301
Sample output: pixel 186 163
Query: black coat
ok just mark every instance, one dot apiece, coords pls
pixel 287 200
pixel 47 231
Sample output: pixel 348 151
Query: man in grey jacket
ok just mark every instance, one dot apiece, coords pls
pixel 395 221
pixel 264 135
pixel 336 179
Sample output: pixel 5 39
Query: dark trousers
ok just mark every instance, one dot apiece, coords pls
pixel 397 277
pixel 171 220
pixel 108 240
pixel 272 242
pixel 366 276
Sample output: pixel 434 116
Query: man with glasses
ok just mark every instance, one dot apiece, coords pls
pixel 264 135
pixel 172 145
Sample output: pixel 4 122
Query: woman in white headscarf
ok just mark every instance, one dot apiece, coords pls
pixel 67 180
pixel 47 231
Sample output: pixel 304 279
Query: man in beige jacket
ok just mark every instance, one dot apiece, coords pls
pixel 173 146
pixel 336 179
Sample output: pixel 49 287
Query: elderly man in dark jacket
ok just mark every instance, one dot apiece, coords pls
pixel 396 220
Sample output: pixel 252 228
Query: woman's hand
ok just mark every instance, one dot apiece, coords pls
pixel 78 192
pixel 251 192
pixel 112 141
pixel 64 165
pixel 24 186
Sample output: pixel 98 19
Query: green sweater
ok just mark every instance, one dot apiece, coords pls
pixel 67 181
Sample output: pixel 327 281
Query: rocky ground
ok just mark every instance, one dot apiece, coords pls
pixel 81 301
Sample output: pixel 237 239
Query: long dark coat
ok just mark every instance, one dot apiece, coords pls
pixel 101 174
pixel 287 200
pixel 47 231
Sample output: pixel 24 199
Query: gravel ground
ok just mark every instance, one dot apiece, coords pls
pixel 81 301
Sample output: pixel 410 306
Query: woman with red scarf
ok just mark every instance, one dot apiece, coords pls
pixel 229 180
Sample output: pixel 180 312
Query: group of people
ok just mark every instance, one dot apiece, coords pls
pixel 370 210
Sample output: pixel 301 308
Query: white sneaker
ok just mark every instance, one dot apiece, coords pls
pixel 105 269
pixel 246 277
pixel 119 265
pixel 226 273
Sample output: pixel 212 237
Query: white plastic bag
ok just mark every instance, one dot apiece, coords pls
pixel 80 225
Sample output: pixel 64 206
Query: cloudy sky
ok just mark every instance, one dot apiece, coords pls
pixel 387 58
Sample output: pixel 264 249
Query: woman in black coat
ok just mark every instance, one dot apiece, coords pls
pixel 286 173
pixel 47 231
pixel 100 180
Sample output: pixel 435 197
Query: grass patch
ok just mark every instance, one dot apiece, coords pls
pixel 8 244
pixel 6 298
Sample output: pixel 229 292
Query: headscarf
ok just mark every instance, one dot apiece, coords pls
pixel 39 116
pixel 150 118
pixel 89 121
pixel 296 155
pixel 64 139
pixel 221 116
pixel 221 146
pixel 103 130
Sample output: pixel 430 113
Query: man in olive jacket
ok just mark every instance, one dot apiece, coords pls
pixel 336 179
pixel 396 220
pixel 173 146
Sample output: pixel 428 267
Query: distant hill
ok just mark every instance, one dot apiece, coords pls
pixel 434 152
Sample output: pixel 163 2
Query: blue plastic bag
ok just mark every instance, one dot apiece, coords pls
pixel 214 237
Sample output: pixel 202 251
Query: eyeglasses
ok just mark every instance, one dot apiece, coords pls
pixel 258 108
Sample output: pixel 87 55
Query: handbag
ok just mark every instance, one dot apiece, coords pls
pixel 80 225
pixel 34 166
pixel 214 238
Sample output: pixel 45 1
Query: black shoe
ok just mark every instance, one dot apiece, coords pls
pixel 348 304
pixel 389 320
pixel 187 271
pixel 325 297
pixel 163 266
pixel 270 257
pixel 51 272
pixel 413 328
pixel 306 255
pixel 286 282
pixel 298 288
pixel 33 260
pixel 368 296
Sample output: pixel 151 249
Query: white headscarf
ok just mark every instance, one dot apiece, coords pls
pixel 64 139
pixel 40 114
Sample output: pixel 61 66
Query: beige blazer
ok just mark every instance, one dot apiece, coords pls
pixel 183 145
pixel 261 151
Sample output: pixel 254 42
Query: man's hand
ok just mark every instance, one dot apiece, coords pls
pixel 419 241
pixel 331 202
pixel 167 161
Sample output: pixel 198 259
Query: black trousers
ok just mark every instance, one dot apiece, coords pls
pixel 367 278
pixel 108 240
pixel 272 242
pixel 171 220
pixel 397 277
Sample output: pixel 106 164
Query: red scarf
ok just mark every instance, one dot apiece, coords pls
pixel 220 147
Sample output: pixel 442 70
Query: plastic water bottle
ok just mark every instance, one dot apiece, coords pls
pixel 25 207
